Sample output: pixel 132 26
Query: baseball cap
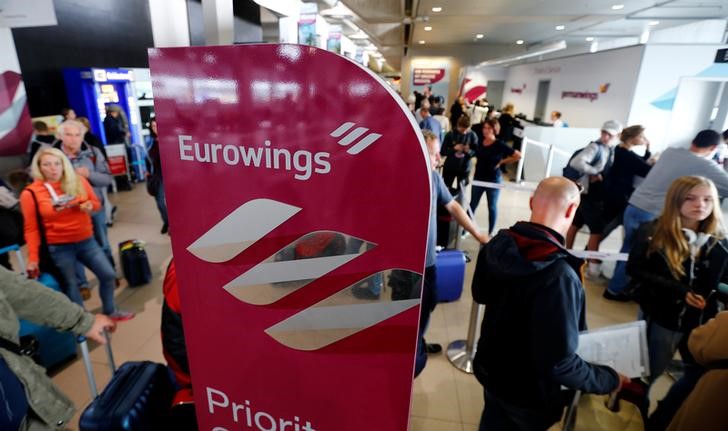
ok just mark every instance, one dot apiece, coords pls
pixel 613 127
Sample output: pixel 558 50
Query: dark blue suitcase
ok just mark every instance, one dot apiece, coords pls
pixel 54 347
pixel 134 262
pixel 450 274
pixel 138 398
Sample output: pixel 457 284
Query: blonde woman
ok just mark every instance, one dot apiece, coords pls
pixel 507 122
pixel 56 208
pixel 676 264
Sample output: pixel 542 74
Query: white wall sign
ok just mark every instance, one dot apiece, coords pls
pixel 24 13
pixel 432 72
pixel 586 89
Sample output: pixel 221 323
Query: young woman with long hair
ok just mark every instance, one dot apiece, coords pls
pixel 676 264
pixel 56 209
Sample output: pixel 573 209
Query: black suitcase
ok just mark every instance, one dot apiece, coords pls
pixel 137 398
pixel 134 262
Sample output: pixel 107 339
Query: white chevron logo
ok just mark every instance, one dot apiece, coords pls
pixel 353 136
pixel 301 262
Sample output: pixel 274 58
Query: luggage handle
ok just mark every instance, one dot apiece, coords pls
pixel 87 361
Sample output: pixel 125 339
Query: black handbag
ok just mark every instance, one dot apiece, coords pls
pixel 153 182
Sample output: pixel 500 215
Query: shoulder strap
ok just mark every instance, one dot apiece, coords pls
pixel 10 346
pixel 598 156
pixel 39 219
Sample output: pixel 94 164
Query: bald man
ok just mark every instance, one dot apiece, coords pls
pixel 534 299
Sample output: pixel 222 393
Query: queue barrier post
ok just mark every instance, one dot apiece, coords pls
pixel 461 353
pixel 519 168
pixel 549 161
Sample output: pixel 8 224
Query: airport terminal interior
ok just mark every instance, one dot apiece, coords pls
pixel 503 95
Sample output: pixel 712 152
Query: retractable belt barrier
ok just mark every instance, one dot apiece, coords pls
pixel 601 255
pixel 521 187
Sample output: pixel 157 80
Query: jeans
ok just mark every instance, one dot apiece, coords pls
pixel 13 401
pixel 662 344
pixel 429 301
pixel 162 203
pixel 88 252
pixel 102 238
pixel 499 416
pixel 679 392
pixel 633 218
pixel 492 196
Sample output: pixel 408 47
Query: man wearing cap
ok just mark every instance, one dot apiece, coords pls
pixel 646 202
pixel 593 162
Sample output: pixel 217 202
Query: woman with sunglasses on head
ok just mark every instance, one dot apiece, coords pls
pixel 57 205
pixel 676 265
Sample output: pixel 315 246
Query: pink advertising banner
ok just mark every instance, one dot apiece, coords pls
pixel 298 193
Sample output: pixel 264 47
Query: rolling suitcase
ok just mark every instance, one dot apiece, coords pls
pixel 138 397
pixel 450 274
pixel 134 262
pixel 54 347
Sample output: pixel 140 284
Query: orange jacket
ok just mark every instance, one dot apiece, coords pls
pixel 67 225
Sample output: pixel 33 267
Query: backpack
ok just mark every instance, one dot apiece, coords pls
pixel 574 174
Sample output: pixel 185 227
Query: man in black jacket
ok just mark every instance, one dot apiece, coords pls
pixel 535 310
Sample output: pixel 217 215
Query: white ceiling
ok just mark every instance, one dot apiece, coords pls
pixel 504 21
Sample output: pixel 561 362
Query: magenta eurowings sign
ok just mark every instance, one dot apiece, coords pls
pixel 298 192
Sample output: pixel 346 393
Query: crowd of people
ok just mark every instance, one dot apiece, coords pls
pixel 532 286
pixel 59 206
pixel 526 275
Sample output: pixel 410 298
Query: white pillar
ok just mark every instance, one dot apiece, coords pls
pixel 288 29
pixel 170 26
pixel 218 18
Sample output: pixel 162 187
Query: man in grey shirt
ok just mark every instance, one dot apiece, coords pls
pixel 647 200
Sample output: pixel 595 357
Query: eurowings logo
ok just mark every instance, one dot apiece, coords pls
pixel 312 256
pixel 353 136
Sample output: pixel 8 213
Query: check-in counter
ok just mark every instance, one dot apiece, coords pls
pixel 565 140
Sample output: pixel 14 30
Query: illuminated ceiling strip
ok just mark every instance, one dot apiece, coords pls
pixel 546 49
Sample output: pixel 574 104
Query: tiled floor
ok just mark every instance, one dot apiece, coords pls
pixel 444 398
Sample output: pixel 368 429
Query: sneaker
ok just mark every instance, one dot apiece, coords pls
pixel 85 293
pixel 619 297
pixel 593 271
pixel 165 229
pixel 121 315
pixel 433 348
